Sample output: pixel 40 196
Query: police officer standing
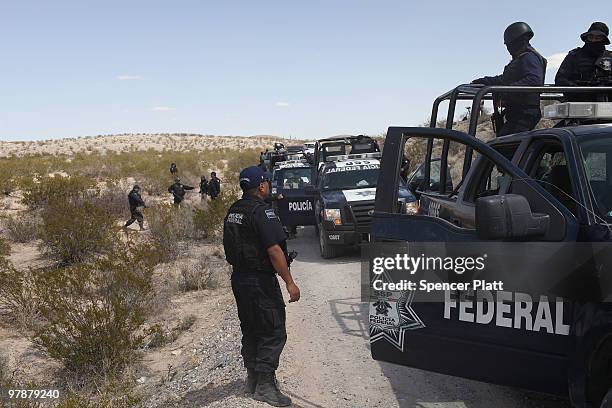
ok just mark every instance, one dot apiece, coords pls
pixel 255 246
pixel 135 201
pixel 527 68
pixel 178 191
pixel 214 186
pixel 589 65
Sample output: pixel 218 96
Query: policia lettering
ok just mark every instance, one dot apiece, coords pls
pixel 255 245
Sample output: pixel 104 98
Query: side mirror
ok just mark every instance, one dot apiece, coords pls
pixel 508 216
pixel 311 190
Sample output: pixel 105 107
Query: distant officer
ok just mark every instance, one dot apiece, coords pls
pixel 173 169
pixel 589 65
pixel 203 187
pixel 178 191
pixel 255 245
pixel 135 201
pixel 214 186
pixel 521 111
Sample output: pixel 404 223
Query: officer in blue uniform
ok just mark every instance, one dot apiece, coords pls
pixel 589 65
pixel 255 246
pixel 521 111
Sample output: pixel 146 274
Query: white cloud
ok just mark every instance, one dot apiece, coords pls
pixel 128 77
pixel 282 104
pixel 163 109
pixel 555 60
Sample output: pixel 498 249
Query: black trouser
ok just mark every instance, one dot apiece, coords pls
pixel 520 120
pixel 261 311
pixel 136 215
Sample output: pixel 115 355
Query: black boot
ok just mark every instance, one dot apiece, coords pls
pixel 251 382
pixel 267 391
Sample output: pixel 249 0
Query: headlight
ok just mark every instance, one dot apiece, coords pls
pixel 411 208
pixel 332 214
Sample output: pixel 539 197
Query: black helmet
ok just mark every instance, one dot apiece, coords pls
pixel 517 30
pixel 136 187
pixel 597 28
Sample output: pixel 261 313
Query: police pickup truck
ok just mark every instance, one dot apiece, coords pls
pixel 328 149
pixel 290 178
pixel 345 201
pixel 548 186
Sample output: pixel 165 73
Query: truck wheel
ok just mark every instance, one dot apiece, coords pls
pixel 327 251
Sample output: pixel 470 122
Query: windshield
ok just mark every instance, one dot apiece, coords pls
pixel 346 178
pixel 292 179
pixel 597 161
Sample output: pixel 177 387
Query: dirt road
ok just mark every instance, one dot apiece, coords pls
pixel 327 361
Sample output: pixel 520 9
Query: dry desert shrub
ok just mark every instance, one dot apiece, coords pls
pixel 72 232
pixel 210 220
pixel 159 336
pixel 5 248
pixel 92 314
pixel 41 192
pixel 169 224
pixel 17 294
pixel 22 228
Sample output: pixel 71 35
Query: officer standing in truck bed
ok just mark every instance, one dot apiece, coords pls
pixel 255 245
pixel 521 111
pixel 589 65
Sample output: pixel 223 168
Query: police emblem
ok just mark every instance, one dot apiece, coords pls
pixel 390 319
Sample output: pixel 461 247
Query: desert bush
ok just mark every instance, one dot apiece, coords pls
pixel 193 276
pixel 210 220
pixel 45 190
pixel 112 394
pixel 170 224
pixel 92 314
pixel 114 200
pixel 17 294
pixel 158 336
pixel 5 372
pixel 5 248
pixel 72 232
pixel 22 228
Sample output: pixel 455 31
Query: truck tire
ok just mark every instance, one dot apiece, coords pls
pixel 327 251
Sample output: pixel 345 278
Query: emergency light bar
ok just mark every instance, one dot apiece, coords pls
pixel 579 110
pixel 374 155
pixel 288 163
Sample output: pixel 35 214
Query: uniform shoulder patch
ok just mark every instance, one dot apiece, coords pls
pixel 270 214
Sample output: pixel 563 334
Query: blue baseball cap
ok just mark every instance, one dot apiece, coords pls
pixel 252 177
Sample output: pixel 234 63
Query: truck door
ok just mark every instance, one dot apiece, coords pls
pixel 296 208
pixel 452 339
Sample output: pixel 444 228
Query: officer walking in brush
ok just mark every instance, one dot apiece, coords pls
pixel 135 201
pixel 178 191
pixel 255 246
pixel 521 111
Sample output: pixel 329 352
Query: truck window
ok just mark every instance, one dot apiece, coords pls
pixel 293 179
pixel 489 177
pixel 551 171
pixel 597 162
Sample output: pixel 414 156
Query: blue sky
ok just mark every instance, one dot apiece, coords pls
pixel 305 69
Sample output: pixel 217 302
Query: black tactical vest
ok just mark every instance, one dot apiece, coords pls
pixel 512 73
pixel 243 249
